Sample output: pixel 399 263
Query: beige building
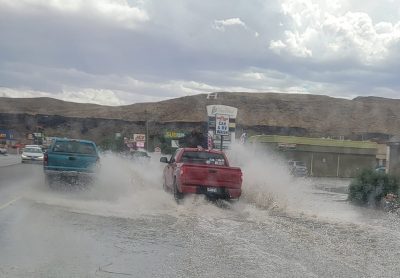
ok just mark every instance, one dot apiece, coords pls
pixel 381 155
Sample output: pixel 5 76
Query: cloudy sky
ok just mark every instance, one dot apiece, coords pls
pixel 125 51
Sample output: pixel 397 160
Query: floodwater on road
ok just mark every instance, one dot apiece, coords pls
pixel 127 226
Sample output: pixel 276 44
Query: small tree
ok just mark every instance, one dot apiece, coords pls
pixel 369 187
pixel 112 144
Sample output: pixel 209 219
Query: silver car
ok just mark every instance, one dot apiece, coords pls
pixel 32 154
pixel 298 168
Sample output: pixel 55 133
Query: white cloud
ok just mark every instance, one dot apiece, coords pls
pixel 294 43
pixel 189 87
pixel 22 93
pixel 118 11
pixel 324 30
pixel 103 97
pixel 220 25
pixel 98 96
pixel 254 76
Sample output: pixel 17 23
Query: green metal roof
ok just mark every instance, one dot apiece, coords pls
pixel 312 141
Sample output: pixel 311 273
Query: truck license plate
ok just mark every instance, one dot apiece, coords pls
pixel 212 189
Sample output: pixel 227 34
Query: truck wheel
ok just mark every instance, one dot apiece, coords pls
pixel 177 195
pixel 233 200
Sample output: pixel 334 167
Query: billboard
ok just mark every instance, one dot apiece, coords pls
pixel 6 134
pixel 139 137
pixel 230 111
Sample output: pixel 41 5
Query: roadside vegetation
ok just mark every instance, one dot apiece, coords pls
pixel 112 144
pixel 375 189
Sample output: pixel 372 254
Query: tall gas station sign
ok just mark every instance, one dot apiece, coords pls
pixel 221 126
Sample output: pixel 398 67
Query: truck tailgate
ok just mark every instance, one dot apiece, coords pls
pixel 211 175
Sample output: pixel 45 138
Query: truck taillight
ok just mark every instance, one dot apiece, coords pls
pixel 45 159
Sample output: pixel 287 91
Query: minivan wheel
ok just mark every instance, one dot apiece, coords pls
pixel 164 186
pixel 49 181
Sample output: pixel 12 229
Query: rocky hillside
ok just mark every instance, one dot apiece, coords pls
pixel 309 115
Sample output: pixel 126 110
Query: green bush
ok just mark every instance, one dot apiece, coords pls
pixel 369 187
pixel 112 144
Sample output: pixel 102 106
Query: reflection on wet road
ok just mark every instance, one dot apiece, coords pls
pixel 126 226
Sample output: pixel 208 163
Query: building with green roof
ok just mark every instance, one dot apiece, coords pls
pixel 324 157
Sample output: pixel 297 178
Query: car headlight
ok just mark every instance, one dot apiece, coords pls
pixel 23 156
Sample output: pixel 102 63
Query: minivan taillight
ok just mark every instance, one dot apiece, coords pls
pixel 45 159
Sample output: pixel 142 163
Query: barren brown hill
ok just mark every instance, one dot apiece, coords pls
pixel 315 113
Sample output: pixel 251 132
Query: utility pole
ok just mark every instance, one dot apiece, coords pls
pixel 147 131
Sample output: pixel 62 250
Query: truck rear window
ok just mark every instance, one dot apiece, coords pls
pixel 203 158
pixel 74 147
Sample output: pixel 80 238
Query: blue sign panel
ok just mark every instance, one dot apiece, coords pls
pixel 6 134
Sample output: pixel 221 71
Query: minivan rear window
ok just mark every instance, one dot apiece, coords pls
pixel 74 147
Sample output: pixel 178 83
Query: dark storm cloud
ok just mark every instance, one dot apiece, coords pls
pixel 162 49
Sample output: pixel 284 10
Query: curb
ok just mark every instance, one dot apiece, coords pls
pixel 10 163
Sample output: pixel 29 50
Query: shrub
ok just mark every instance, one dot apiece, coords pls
pixel 369 187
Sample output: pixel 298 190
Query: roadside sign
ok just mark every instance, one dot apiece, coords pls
pixel 175 143
pixel 221 124
pixel 213 110
pixel 140 144
pixel 139 137
pixel 174 134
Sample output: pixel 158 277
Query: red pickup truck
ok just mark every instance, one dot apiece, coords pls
pixel 200 171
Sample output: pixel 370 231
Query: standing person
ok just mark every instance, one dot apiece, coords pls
pixel 195 139
pixel 243 138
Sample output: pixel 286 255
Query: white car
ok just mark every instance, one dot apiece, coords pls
pixel 32 153
pixel 3 150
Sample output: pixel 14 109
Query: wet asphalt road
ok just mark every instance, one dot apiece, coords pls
pixel 126 226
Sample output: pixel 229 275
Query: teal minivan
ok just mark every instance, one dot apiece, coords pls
pixel 70 159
